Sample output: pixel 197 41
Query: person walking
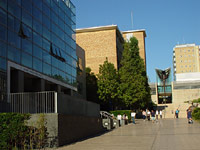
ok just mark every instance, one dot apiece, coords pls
pixel 133 114
pixel 160 114
pixel 176 113
pixel 153 116
pixel 156 115
pixel 189 116
pixel 144 115
pixel 148 115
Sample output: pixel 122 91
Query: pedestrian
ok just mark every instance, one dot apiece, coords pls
pixel 160 114
pixel 148 115
pixel 156 114
pixel 189 116
pixel 176 113
pixel 133 114
pixel 153 116
pixel 119 118
pixel 144 115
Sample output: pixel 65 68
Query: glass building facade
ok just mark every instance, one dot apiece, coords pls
pixel 38 35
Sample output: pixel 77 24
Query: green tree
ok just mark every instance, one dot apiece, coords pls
pixel 108 84
pixel 134 84
pixel 91 86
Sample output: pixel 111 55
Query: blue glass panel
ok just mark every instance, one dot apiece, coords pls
pixel 37 14
pixel 61 65
pixel 54 72
pixel 46 57
pixel 37 64
pixel 46 33
pixel 27 46
pixel 46 45
pixel 54 6
pixel 27 31
pixel 3 17
pixel 14 39
pixel 73 72
pixel 3 31
pixel 68 69
pixel 54 17
pixel 3 65
pixel 14 54
pixel 46 69
pixel 37 51
pixel 3 3
pixel 46 22
pixel 3 49
pixel 55 62
pixel 27 4
pixel 27 60
pixel 38 3
pixel 37 26
pixel 46 10
pixel 14 9
pixel 26 18
pixel 37 39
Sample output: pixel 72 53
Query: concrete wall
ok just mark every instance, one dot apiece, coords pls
pixel 70 105
pixel 63 129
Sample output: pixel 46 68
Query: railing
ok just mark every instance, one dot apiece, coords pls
pixel 39 102
pixel 105 114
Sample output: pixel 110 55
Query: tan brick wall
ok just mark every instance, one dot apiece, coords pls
pixel 98 45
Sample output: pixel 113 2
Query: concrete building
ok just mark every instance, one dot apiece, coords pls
pixel 185 60
pixel 99 43
pixel 140 35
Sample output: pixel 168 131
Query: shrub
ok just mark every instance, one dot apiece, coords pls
pixel 13 131
pixel 196 114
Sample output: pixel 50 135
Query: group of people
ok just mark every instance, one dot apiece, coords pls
pixel 189 114
pixel 151 115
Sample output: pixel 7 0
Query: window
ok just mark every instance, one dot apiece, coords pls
pixel 46 57
pixel 46 22
pixel 37 13
pixel 3 49
pixel 46 45
pixel 27 60
pixel 14 54
pixel 46 33
pixel 14 9
pixel 26 18
pixel 3 4
pixel 14 39
pixel 37 3
pixel 3 31
pixel 37 52
pixel 27 46
pixel 37 39
pixel 46 10
pixel 37 26
pixel 27 4
pixel 3 17
pixel 3 63
pixel 46 69
pixel 37 64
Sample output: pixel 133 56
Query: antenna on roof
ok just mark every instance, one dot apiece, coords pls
pixel 132 19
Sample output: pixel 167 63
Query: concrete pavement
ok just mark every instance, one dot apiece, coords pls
pixel 166 134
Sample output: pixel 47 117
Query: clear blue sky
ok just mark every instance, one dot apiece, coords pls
pixel 167 22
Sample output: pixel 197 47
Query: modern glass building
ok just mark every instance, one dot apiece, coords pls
pixel 37 46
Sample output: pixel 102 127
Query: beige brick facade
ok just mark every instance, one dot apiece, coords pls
pixel 99 43
pixel 140 35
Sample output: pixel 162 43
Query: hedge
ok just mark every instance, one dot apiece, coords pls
pixel 196 114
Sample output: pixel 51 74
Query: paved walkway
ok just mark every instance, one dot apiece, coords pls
pixel 167 134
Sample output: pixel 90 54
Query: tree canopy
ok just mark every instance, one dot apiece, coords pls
pixel 134 84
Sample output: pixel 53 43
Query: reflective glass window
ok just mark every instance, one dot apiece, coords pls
pixel 37 14
pixel 61 65
pixel 27 46
pixel 68 78
pixel 27 31
pixel 55 62
pixel 38 3
pixel 46 10
pixel 3 49
pixel 74 72
pixel 37 64
pixel 14 54
pixel 3 17
pixel 37 51
pixel 62 75
pixel 27 4
pixel 14 9
pixel 54 72
pixel 37 26
pixel 46 45
pixel 26 60
pixel 68 69
pixel 46 57
pixel 46 22
pixel 54 17
pixel 54 5
pixel 46 33
pixel 3 31
pixel 37 39
pixel 3 65
pixel 3 3
pixel 46 69
pixel 14 39
pixel 26 18
pixel 61 24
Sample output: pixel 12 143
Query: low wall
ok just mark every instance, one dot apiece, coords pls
pixel 70 105
pixel 64 129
